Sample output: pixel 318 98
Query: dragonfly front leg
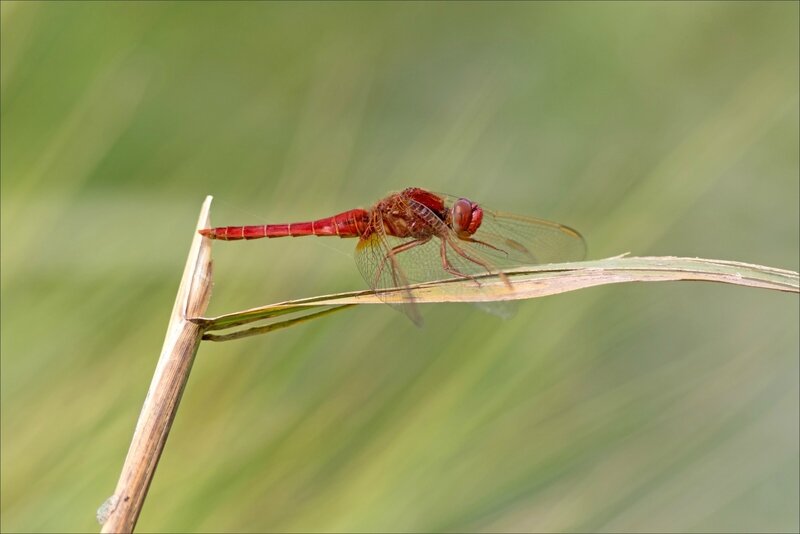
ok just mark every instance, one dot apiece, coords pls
pixel 476 261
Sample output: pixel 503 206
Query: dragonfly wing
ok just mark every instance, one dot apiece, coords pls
pixel 389 263
pixel 455 258
pixel 512 240
pixel 504 240
pixel 380 269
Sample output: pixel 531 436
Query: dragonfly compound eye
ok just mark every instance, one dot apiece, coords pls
pixel 467 217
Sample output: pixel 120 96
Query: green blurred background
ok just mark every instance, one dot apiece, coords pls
pixel 659 129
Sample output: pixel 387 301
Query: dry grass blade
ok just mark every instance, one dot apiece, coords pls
pixel 238 334
pixel 531 282
pixel 120 512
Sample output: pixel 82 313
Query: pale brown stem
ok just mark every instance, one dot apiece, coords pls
pixel 120 511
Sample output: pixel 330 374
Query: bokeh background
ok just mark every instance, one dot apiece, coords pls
pixel 654 128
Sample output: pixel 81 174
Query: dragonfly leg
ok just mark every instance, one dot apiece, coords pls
pixel 394 252
pixel 449 268
pixel 476 261
pixel 478 241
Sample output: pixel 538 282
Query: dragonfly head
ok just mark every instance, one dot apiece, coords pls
pixel 466 217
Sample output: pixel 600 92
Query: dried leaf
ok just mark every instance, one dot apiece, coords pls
pixel 526 283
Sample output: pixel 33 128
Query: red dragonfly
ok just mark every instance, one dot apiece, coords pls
pixel 419 236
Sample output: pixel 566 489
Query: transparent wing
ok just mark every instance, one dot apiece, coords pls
pixel 423 261
pixel 504 240
pixel 388 263
pixel 380 269
pixel 519 240
pixel 448 256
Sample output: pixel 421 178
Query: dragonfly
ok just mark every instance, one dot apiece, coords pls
pixel 417 236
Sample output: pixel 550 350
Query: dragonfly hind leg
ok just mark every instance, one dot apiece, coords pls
pixel 452 270
pixel 394 252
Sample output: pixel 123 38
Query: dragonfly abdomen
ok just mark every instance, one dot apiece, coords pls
pixel 351 223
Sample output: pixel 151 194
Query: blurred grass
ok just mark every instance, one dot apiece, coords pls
pixel 664 128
